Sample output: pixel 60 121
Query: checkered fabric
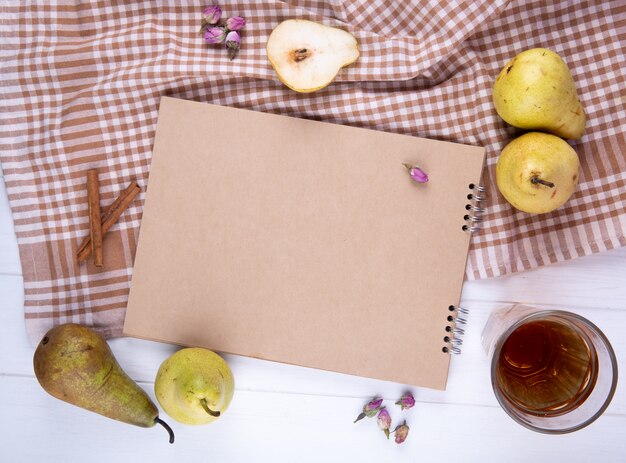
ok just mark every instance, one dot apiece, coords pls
pixel 81 84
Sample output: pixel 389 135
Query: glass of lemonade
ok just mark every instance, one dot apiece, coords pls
pixel 552 371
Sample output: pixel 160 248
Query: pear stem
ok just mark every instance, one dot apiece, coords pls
pixel 208 410
pixel 536 180
pixel 167 428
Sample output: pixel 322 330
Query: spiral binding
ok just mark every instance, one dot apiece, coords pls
pixel 453 332
pixel 473 219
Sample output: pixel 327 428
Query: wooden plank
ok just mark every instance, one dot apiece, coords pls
pixel 10 258
pixel 15 349
pixel 290 427
pixel 598 281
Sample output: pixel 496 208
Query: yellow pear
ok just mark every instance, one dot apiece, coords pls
pixel 307 55
pixel 537 172
pixel 536 91
pixel 194 386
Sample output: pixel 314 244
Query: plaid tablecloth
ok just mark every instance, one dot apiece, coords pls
pixel 81 83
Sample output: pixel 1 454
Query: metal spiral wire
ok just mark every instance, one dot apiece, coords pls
pixel 453 333
pixel 473 219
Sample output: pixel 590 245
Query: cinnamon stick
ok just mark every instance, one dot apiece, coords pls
pixel 95 226
pixel 110 215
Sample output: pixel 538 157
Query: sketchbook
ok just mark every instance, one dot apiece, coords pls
pixel 305 242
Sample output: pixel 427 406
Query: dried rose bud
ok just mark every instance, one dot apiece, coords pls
pixel 370 409
pixel 214 34
pixel 373 406
pixel 417 174
pixel 406 401
pixel 401 432
pixel 384 421
pixel 235 23
pixel 211 14
pixel 232 43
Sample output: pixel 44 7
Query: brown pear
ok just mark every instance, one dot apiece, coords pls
pixel 75 364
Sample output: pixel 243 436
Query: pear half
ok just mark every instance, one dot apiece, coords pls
pixel 307 55
pixel 536 91
pixel 537 172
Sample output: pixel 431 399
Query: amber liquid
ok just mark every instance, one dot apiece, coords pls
pixel 546 367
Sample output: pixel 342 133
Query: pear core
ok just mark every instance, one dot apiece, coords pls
pixel 537 172
pixel 307 55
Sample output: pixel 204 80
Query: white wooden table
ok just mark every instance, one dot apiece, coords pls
pixel 293 414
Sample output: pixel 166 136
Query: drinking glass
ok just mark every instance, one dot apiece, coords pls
pixel 552 371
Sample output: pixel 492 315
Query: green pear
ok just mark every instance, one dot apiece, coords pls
pixel 537 172
pixel 75 364
pixel 536 91
pixel 194 386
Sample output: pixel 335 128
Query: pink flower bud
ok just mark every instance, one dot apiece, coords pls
pixel 211 14
pixel 232 43
pixel 373 406
pixel 370 409
pixel 384 421
pixel 233 39
pixel 416 173
pixel 401 432
pixel 235 23
pixel 406 401
pixel 214 34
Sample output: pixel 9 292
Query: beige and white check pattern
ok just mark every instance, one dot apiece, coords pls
pixel 81 84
